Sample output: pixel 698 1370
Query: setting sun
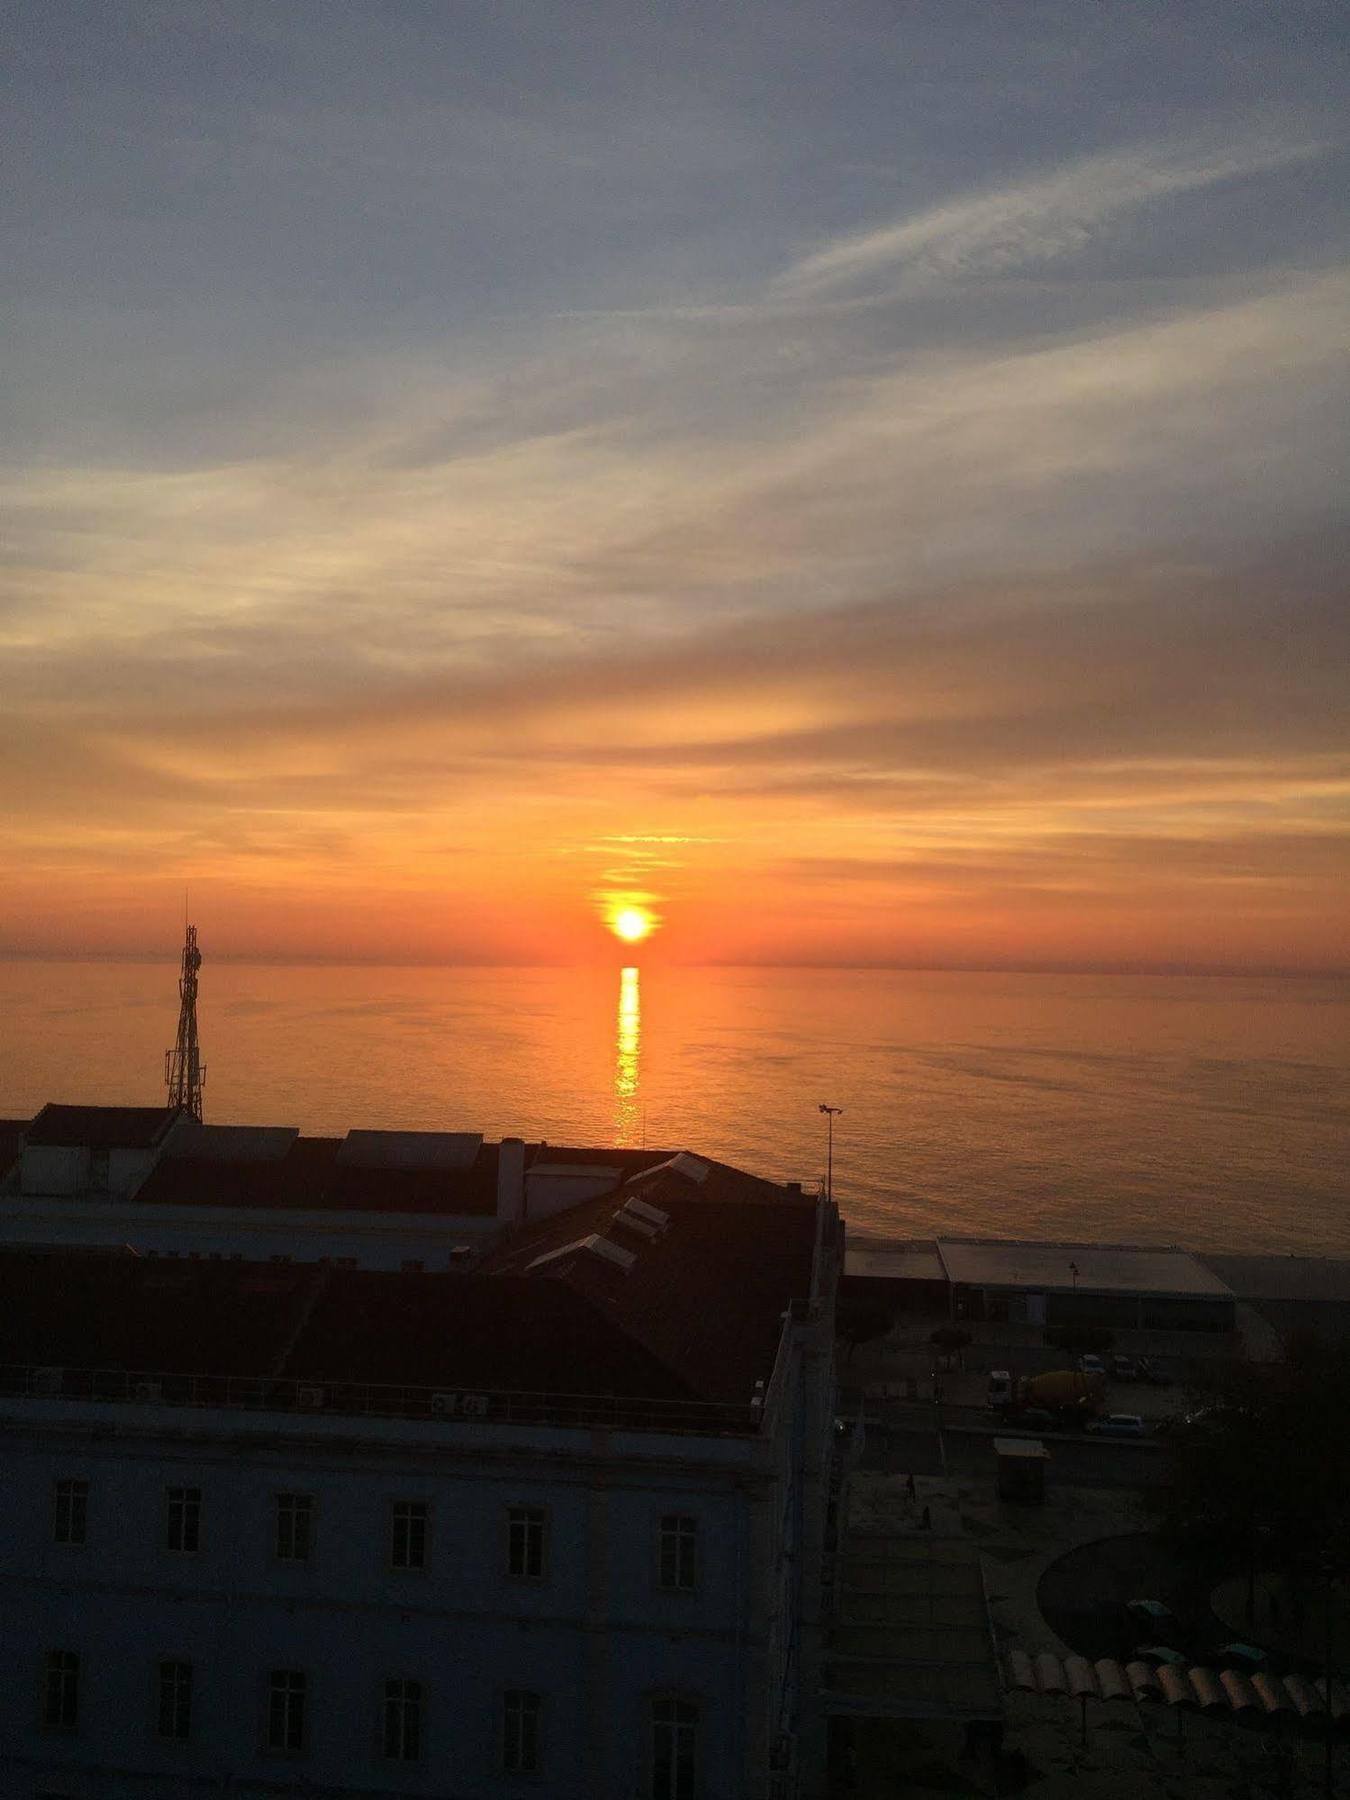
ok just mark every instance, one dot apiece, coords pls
pixel 632 924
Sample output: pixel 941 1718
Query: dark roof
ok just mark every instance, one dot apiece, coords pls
pixel 134 1313
pixel 599 1156
pixel 310 1177
pixel 706 1296
pixel 505 1334
pixel 100 1127
pixel 691 1310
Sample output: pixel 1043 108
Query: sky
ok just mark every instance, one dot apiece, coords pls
pixel 860 483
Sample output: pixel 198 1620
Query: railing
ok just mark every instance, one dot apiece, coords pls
pixel 251 1393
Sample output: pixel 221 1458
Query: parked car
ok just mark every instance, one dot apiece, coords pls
pixel 1122 1425
pixel 1091 1365
pixel 1000 1388
pixel 1123 1368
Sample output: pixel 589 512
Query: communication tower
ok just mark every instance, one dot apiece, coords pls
pixel 184 1073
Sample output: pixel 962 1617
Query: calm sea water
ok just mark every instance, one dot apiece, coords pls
pixel 1212 1112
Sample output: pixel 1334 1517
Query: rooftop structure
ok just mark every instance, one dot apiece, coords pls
pixel 1078 1267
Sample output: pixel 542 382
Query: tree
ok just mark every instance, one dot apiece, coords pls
pixel 1261 1469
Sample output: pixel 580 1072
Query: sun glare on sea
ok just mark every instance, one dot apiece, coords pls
pixel 632 924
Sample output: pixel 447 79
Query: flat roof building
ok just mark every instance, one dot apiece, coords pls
pixel 1130 1286
pixel 1140 1286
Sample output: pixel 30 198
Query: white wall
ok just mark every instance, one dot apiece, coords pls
pixel 122 1601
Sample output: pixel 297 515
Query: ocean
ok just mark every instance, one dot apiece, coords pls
pixel 1209 1111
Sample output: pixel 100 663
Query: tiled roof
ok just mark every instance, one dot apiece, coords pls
pixel 448 1331
pixel 100 1127
pixel 690 1308
pixel 706 1295
pixel 310 1177
pixel 123 1312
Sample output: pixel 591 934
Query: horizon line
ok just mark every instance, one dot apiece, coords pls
pixel 1257 971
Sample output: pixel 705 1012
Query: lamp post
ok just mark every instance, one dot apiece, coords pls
pixel 831 1114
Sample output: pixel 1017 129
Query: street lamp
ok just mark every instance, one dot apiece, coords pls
pixel 831 1114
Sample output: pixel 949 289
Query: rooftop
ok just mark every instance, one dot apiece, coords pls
pixel 100 1127
pixel 1101 1268
pixel 669 1293
pixel 314 1174
pixel 894 1262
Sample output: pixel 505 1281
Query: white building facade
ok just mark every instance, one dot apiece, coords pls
pixel 271 1585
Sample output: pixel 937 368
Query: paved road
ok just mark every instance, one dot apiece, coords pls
pixel 1075 1461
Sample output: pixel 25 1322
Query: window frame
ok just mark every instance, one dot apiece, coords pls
pixel 73 1482
pixel 169 1661
pixel 310 1513
pixel 270 1692
pixel 396 1502
pixel 529 1517
pixel 672 1788
pixel 69 1690
pixel 198 1507
pixel 386 1701
pixel 692 1539
pixel 519 1772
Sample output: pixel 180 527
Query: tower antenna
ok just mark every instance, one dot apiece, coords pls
pixel 184 1072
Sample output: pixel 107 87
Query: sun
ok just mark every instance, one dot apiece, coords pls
pixel 632 924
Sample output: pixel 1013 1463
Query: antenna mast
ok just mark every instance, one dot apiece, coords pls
pixel 184 1074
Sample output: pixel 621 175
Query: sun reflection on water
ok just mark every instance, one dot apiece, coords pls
pixel 627 1061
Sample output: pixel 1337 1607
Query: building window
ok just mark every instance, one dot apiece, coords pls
pixel 61 1691
pixel 295 1527
pixel 175 1701
pixel 525 1542
pixel 286 1710
pixel 408 1549
pixel 403 1720
pixel 674 1747
pixel 70 1511
pixel 678 1561
pixel 520 1732
pixel 185 1518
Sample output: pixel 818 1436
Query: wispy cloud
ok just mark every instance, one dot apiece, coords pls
pixel 1029 222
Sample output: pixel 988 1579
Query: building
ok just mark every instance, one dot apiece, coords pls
pixel 553 1523
pixel 1005 1280
pixel 158 1180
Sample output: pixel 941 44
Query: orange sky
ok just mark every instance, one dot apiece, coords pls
pixel 443 508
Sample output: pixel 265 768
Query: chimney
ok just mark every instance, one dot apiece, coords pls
pixel 511 1181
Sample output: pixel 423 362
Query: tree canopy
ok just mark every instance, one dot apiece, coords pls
pixel 1261 1467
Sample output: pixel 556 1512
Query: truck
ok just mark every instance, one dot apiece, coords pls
pixel 1065 1391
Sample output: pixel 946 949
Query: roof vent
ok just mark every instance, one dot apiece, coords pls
pixel 612 1252
pixel 643 1229
pixel 683 1163
pixel 644 1210
pixel 598 1246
